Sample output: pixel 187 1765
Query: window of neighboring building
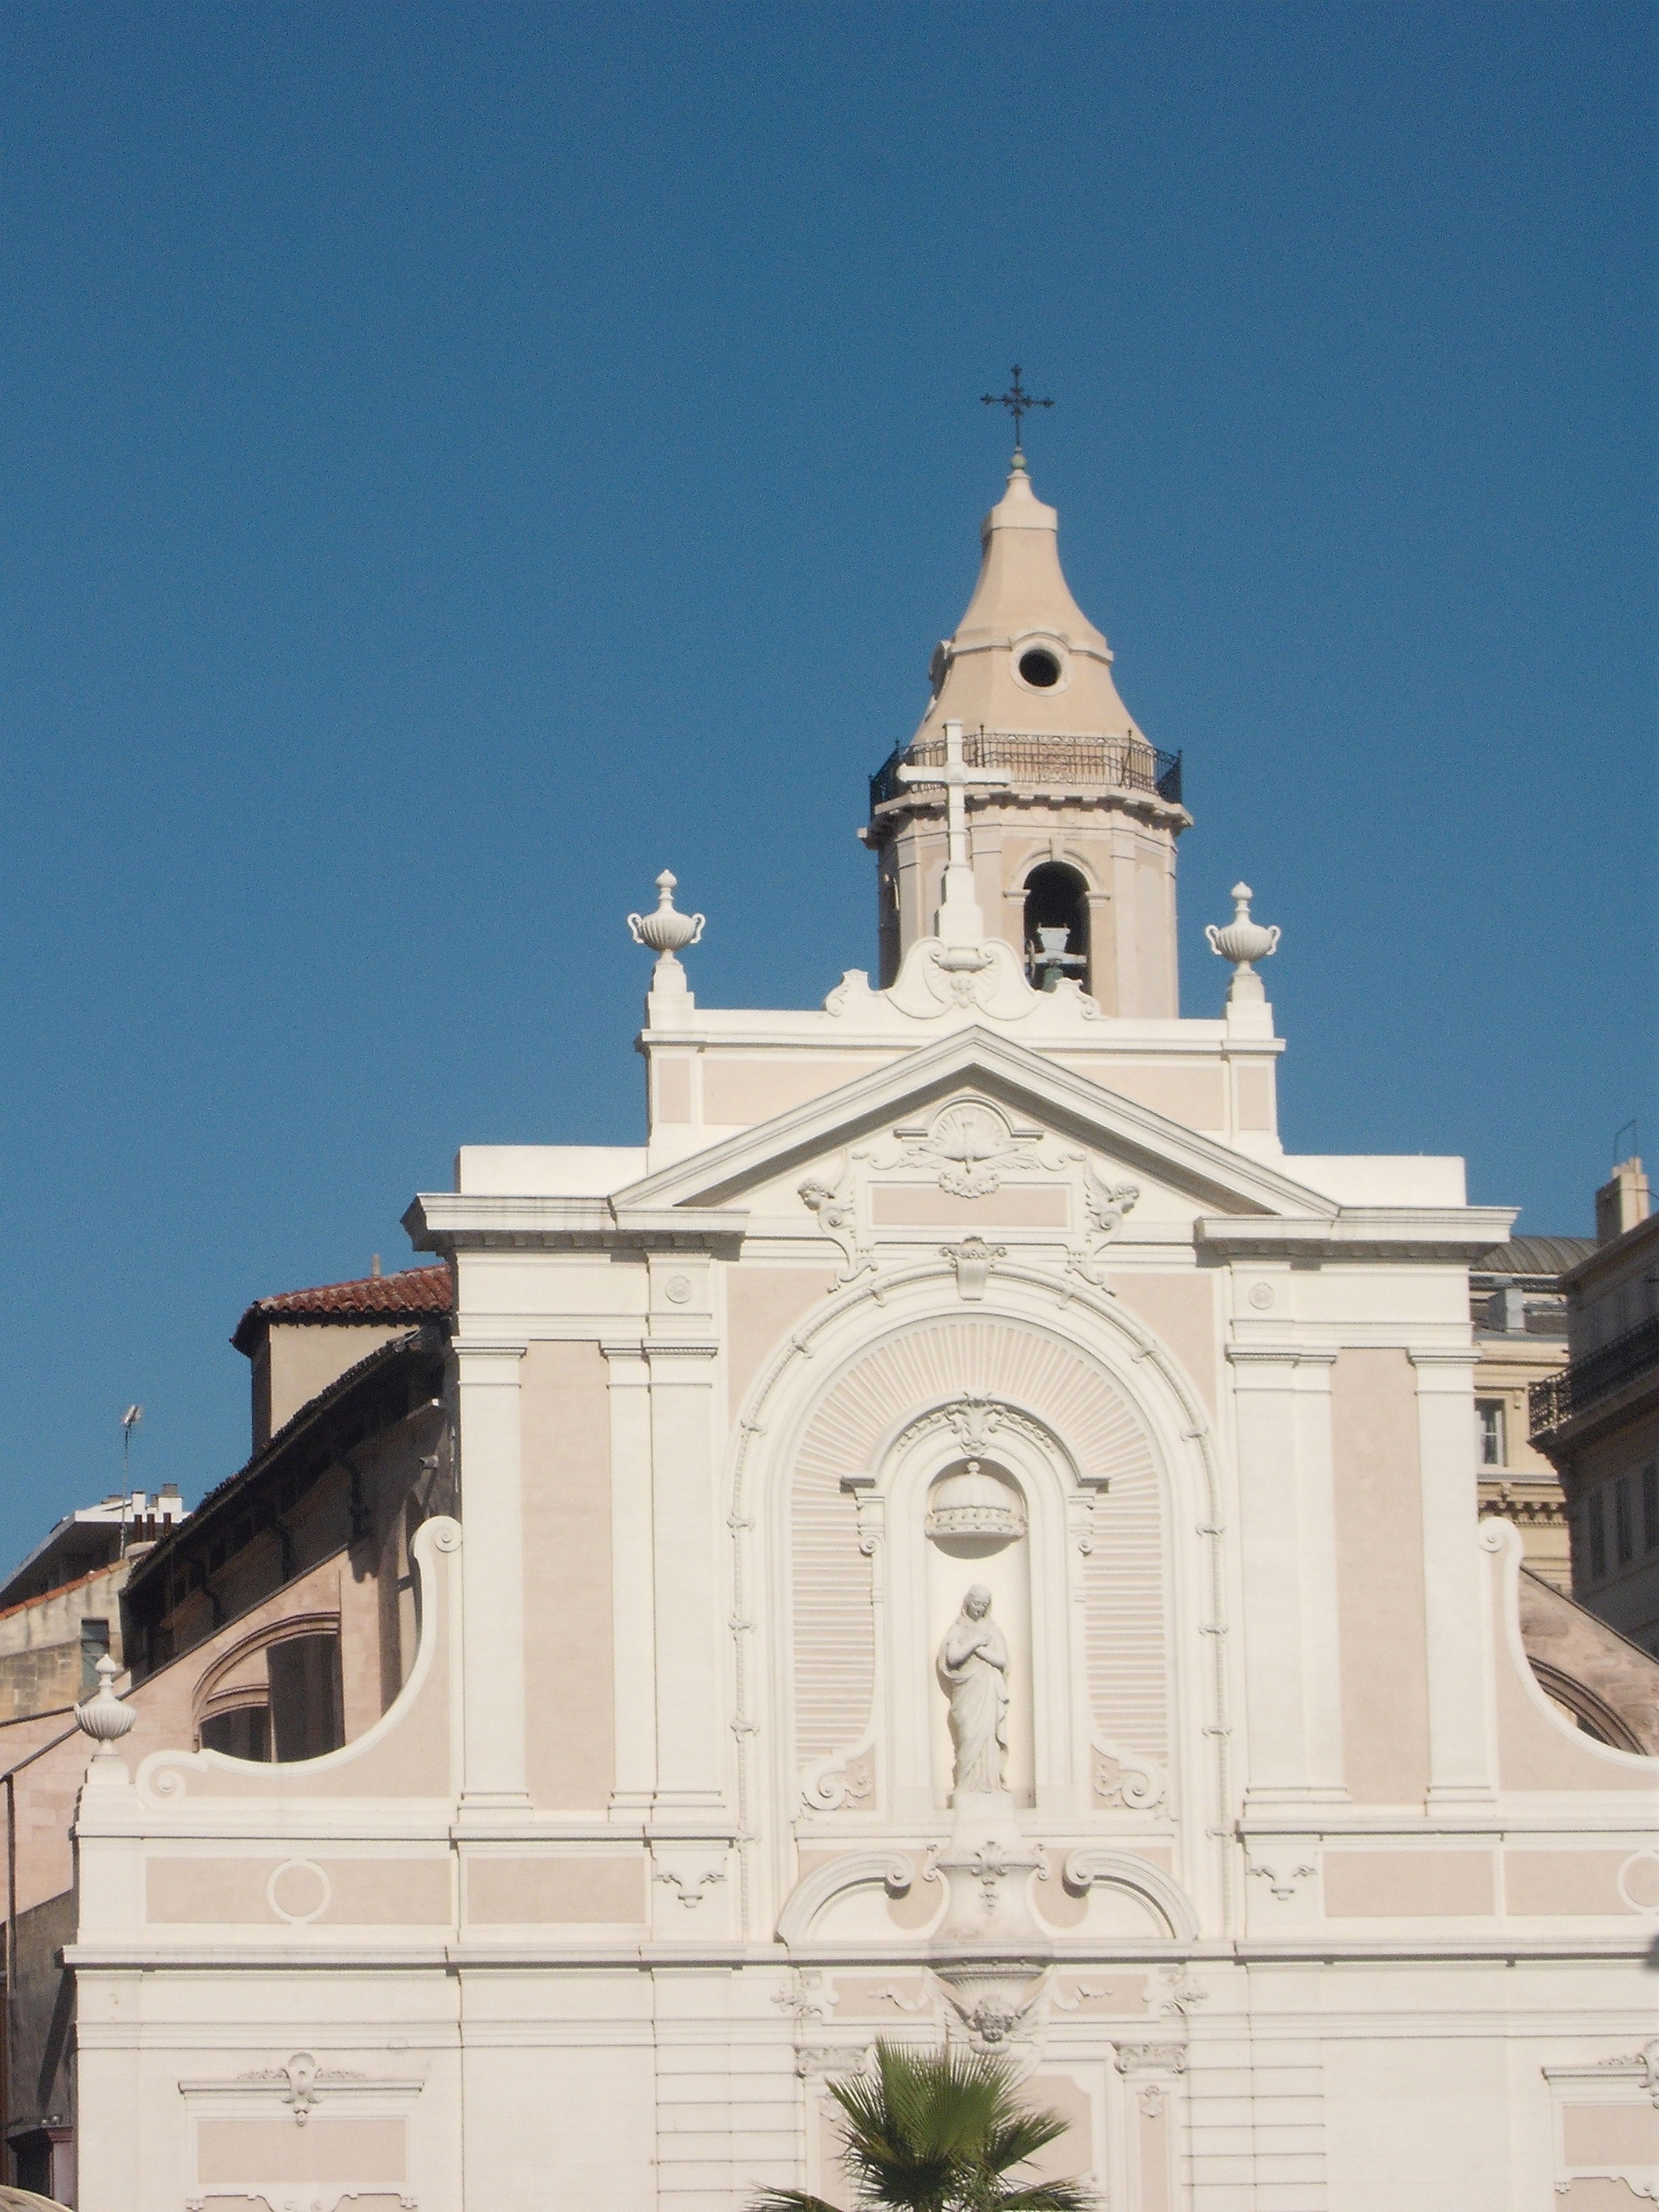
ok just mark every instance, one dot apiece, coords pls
pixel 1489 1430
pixel 305 1697
pixel 1595 1521
pixel 1624 1520
pixel 1650 1507
pixel 244 1732
pixel 295 1713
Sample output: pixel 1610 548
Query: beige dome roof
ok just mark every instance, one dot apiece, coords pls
pixel 1022 605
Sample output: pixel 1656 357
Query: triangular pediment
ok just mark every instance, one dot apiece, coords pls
pixel 1032 1093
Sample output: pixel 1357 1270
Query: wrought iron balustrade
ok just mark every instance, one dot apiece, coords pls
pixel 1557 1398
pixel 1028 757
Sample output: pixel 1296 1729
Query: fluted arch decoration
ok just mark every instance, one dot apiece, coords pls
pixel 934 1363
pixel 880 1356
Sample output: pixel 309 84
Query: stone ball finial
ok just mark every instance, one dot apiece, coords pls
pixel 103 1716
pixel 1243 941
pixel 666 931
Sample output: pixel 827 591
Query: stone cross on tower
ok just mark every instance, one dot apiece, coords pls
pixel 960 921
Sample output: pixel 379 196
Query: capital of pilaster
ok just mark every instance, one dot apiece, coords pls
pixel 625 1359
pixel 489 1361
pixel 1278 1366
pixel 1443 1372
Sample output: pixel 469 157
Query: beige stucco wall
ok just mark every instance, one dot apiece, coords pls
pixel 301 1358
pixel 569 1729
pixel 762 1305
pixel 1181 1310
pixel 1379 1532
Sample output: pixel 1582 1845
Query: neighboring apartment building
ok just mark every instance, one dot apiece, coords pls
pixel 1518 1312
pixel 60 1611
pixel 276 1622
pixel 1598 1420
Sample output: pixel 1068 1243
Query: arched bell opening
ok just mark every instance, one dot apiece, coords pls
pixel 1056 926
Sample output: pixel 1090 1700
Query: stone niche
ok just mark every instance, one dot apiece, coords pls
pixel 977 1530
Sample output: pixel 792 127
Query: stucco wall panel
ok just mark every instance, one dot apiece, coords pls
pixel 1379 1535
pixel 1181 1311
pixel 741 1091
pixel 1402 1884
pixel 762 1305
pixel 349 2150
pixel 1194 1096
pixel 1565 1882
pixel 569 1734
pixel 915 1205
pixel 562 1889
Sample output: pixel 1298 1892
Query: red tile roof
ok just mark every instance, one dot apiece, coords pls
pixel 371 1298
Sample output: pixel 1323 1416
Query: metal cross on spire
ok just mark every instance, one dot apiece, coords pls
pixel 1018 402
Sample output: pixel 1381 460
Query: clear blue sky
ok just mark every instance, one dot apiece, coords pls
pixel 457 460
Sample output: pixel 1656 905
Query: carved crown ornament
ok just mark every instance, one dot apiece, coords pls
pixel 302 2085
pixel 970 1149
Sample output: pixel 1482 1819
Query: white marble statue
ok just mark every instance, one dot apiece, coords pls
pixel 973 1668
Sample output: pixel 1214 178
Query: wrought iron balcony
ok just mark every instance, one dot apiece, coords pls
pixel 1553 1401
pixel 1032 756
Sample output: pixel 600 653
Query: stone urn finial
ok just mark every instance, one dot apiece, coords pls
pixel 1243 941
pixel 103 1716
pixel 666 931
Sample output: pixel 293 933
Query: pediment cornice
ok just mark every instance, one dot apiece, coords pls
pixel 1218 1180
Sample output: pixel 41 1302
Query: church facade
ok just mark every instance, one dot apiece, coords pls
pixel 959 1535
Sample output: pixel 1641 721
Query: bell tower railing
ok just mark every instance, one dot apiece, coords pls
pixel 1037 757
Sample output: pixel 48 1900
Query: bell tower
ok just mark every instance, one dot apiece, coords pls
pixel 1072 816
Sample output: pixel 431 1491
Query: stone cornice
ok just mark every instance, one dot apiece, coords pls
pixel 1379 1232
pixel 449 1221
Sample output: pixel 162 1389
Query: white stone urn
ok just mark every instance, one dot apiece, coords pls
pixel 1243 941
pixel 666 931
pixel 103 1716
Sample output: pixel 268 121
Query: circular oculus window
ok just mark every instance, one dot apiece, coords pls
pixel 1040 668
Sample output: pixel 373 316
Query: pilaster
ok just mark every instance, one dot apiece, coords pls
pixel 688 1608
pixel 634 1624
pixel 1288 1548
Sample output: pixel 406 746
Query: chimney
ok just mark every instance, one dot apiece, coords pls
pixel 1622 1202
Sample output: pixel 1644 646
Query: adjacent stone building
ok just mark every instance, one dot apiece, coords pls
pixel 1518 1312
pixel 1598 1420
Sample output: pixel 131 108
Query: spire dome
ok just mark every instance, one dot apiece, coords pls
pixel 1025 656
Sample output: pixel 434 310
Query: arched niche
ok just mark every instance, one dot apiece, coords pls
pixel 976 1532
pixel 864 1590
pixel 1056 902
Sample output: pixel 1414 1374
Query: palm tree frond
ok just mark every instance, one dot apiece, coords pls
pixel 1020 2136
pixel 1049 2197
pixel 936 2130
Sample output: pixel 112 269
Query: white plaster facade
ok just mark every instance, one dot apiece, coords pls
pixel 1304 1894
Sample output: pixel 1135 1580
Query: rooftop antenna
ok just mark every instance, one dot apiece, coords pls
pixel 1619 1138
pixel 129 1421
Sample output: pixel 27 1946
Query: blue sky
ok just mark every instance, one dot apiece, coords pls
pixel 457 460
